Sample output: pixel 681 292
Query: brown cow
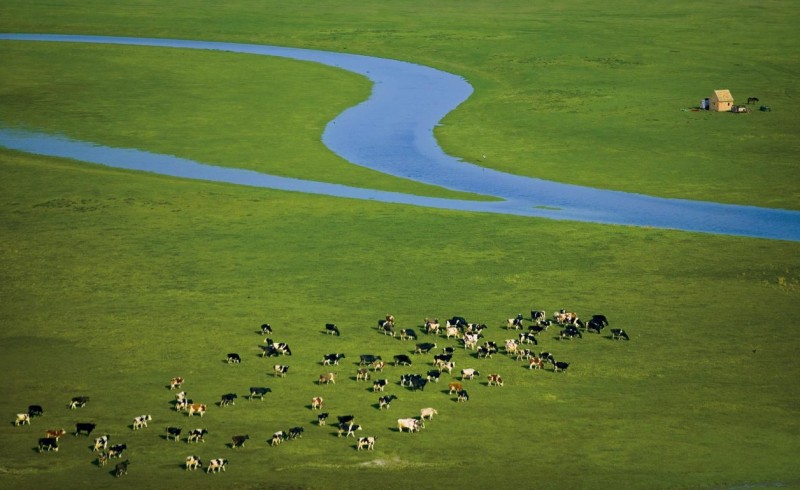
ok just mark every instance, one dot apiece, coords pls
pixel 455 387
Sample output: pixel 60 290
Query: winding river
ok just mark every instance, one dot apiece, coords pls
pixel 392 132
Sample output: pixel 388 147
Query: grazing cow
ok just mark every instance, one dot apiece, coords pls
pixel 121 468
pixel 317 403
pixel 494 380
pixel 366 442
pixel 469 373
pixel 322 418
pixel 527 338
pixel 535 363
pixel 101 443
pixel 238 441
pixel 542 327
pixel 55 433
pixel 618 333
pixel 280 370
pixel 595 325
pixel 560 366
pixel 384 401
pixel 418 383
pixel 227 399
pixel 22 419
pixel 234 358
pixel 368 359
pixel 269 351
pixel 424 348
pixel 141 421
pixel 295 433
pixel 407 380
pixel 402 359
pixel 378 366
pixel 463 396
pixel 332 329
pixel 433 376
pixel 102 459
pixel 175 383
pixel 282 348
pixel 515 323
pixel 327 378
pixel 362 374
pixel 445 366
pixel 600 319
pixel 485 352
pixel 432 326
pixel 174 433
pixel 48 444
pixel 379 385
pixel 387 328
pixel 117 450
pixel 193 462
pixel 78 402
pixel 259 391
pixel 197 408
pixel 455 387
pixel 570 332
pixel 411 425
pixel 329 359
pixel 427 413
pixel 278 437
pixel 215 465
pixel 524 354
pixel 470 341
pixel 196 435
pixel 752 100
pixel 35 410
pixel 266 329
pixel 86 427
pixel 408 334
pixel 183 404
pixel 547 357
pixel 538 316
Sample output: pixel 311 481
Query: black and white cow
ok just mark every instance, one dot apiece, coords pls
pixel 78 402
pixel 197 435
pixel 570 332
pixel 86 427
pixel 278 437
pixel 329 359
pixel 560 366
pixel 173 433
pixel 116 450
pixel 238 441
pixel 379 385
pixel 295 432
pixel 368 359
pixel 595 325
pixel 332 329
pixel 141 421
pixel 215 465
pixel 280 370
pixel 366 443
pixel 547 357
pixel 259 391
pixel 408 334
pixel 442 358
pixel 469 373
pixel 348 429
pixel 408 380
pixel 527 338
pixel 538 316
pixel 618 333
pixel 266 329
pixel 463 396
pixel 193 462
pixel 227 399
pixel 424 348
pixel 384 401
pixel 121 468
pixel 402 360
pixel 386 327
pixel 48 444
pixel 433 376
pixel 418 383
pixel 101 443
pixel 322 418
pixel 234 358
pixel 345 419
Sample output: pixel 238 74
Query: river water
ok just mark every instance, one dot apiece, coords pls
pixel 392 132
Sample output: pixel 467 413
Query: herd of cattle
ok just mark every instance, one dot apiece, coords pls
pixel 467 336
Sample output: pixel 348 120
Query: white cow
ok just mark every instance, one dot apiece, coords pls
pixel 412 425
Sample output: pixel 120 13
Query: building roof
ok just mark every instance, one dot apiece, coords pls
pixel 723 95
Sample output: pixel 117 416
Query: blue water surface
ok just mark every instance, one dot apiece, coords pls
pixel 392 132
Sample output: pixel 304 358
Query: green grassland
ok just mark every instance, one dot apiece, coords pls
pixel 113 281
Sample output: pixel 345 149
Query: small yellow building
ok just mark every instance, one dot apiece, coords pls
pixel 721 101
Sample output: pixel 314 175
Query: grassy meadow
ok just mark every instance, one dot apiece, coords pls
pixel 112 282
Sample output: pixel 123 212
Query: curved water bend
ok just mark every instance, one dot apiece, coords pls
pixel 393 132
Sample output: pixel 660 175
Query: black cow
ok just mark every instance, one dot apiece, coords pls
pixel 433 375
pixel 86 427
pixel 269 351
pixel 418 384
pixel 618 333
pixel 332 329
pixel 560 366
pixel 174 433
pixel 35 411
pixel 196 435
pixel 384 401
pixel 48 444
pixel 116 450
pixel 458 321
pixel 601 319
pixel 238 441
pixel 78 402
pixel 227 399
pixel 595 326
pixel 332 359
pixel 402 359
pixel 234 358
pixel 295 432
pixel 463 396
pixel 424 348
pixel 322 418
pixel 409 379
pixel 121 468
pixel 368 359
pixel 266 329
pixel 570 332
pixel 345 419
pixel 259 391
